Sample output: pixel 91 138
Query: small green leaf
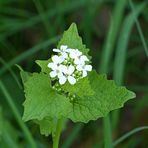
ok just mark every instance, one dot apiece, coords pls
pixel 81 88
pixel 47 126
pixel 72 39
pixel 44 65
pixel 42 101
pixel 107 97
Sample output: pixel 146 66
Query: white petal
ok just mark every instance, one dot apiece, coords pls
pixel 55 59
pixel 77 61
pixel 53 74
pixel 53 66
pixel 73 55
pixel 60 75
pixel 71 69
pixel 63 47
pixel 79 67
pixel 88 67
pixel 62 80
pixel 64 54
pixel 71 80
pixel 58 59
pixel 77 52
pixel 84 73
pixel 69 50
pixel 84 58
pixel 63 69
pixel 56 50
pixel 61 59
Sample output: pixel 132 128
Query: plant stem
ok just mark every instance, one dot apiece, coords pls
pixel 56 137
pixel 107 132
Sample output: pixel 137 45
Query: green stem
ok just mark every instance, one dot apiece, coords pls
pixel 56 137
pixel 17 116
pixel 107 132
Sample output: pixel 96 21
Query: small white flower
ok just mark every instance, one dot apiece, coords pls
pixel 75 53
pixel 68 71
pixel 57 60
pixel 84 69
pixel 81 60
pixel 57 71
pixel 62 51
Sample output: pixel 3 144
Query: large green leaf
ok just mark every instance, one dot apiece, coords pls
pixel 72 39
pixel 81 88
pixel 107 97
pixel 41 100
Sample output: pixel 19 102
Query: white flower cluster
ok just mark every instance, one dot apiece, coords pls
pixel 69 64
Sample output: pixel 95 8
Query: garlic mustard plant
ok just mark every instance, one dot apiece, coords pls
pixel 68 88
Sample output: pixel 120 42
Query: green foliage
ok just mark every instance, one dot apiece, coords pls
pixel 8 135
pixel 41 100
pixel 95 96
pixel 107 97
pixel 81 88
pixel 24 75
pixel 43 64
pixel 47 126
pixel 73 40
pixel 1 123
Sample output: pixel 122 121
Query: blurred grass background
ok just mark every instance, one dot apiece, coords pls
pixel 115 31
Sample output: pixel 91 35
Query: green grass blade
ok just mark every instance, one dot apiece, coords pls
pixel 121 52
pixel 106 57
pixel 43 18
pixel 127 135
pixel 15 11
pixel 9 100
pixel 11 71
pixel 28 53
pixel 72 136
pixel 112 35
pixel 7 139
pixel 139 28
pixel 68 7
